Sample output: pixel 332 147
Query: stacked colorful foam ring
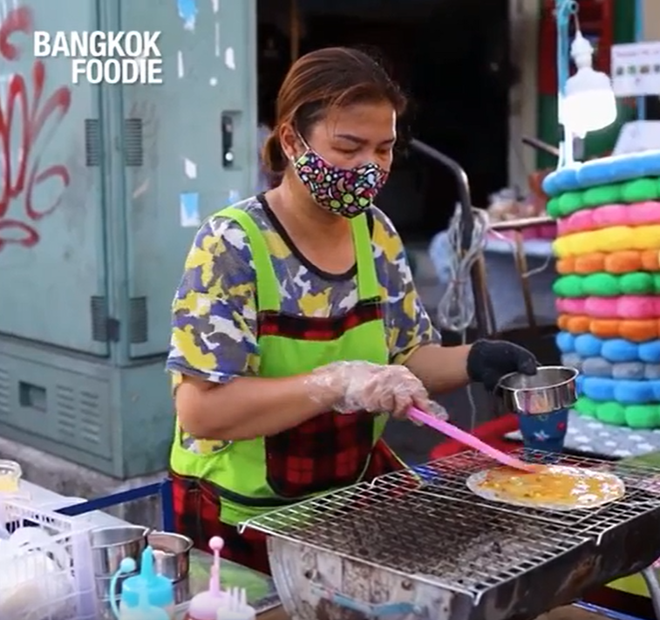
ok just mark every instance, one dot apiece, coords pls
pixel 608 289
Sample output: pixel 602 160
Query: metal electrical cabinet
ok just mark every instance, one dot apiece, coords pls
pixel 93 229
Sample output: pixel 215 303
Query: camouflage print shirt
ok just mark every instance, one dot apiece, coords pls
pixel 214 311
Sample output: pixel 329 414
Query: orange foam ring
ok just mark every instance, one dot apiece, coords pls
pixel 624 261
pixel 628 329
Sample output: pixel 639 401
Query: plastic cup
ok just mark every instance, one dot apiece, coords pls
pixel 10 477
pixel 544 433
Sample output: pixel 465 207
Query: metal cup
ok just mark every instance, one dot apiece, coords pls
pixel 171 554
pixel 103 585
pixel 552 388
pixel 111 545
pixel 541 402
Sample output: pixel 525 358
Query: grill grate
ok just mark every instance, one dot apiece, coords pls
pixel 432 527
pixel 447 478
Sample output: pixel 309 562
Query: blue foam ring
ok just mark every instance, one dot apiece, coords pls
pixel 619 350
pixel 600 367
pixel 602 171
pixel 555 182
pixel 626 392
pixel 588 345
pixel 613 349
pixel 565 342
pixel 615 169
pixel 649 352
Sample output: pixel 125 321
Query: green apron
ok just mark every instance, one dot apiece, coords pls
pixel 326 452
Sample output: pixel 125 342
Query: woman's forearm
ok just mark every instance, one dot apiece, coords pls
pixel 440 368
pixel 248 407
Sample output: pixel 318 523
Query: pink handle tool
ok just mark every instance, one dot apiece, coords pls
pixel 469 440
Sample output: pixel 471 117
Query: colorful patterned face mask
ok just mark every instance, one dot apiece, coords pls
pixel 344 191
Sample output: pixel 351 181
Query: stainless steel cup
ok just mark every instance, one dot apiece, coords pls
pixel 551 389
pixel 171 554
pixel 103 585
pixel 111 545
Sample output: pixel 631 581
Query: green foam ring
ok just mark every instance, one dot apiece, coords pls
pixel 628 192
pixel 603 284
pixel 603 194
pixel 616 414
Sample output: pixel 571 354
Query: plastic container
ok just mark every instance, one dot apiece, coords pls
pixel 10 477
pixel 144 610
pixel 146 589
pixel 50 571
pixel 235 606
pixel 205 605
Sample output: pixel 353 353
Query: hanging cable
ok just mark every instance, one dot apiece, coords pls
pixel 456 309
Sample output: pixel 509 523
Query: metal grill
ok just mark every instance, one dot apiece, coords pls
pixel 427 524
pixel 447 478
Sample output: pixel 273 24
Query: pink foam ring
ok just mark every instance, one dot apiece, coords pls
pixel 611 215
pixel 566 305
pixel 645 213
pixel 576 222
pixel 638 307
pixel 600 308
pixel 638 214
pixel 624 307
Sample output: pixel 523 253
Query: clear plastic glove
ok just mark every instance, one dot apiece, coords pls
pixel 362 386
pixel 436 410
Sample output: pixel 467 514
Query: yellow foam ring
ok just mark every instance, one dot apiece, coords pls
pixel 613 239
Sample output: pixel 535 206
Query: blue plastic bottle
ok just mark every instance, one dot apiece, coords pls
pixel 146 596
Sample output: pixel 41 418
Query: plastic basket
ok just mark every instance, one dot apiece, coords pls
pixel 51 577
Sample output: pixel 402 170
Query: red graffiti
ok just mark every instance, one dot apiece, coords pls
pixel 23 118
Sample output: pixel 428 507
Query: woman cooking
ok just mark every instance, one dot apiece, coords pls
pixel 297 327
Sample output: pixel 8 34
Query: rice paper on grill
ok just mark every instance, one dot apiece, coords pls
pixel 553 487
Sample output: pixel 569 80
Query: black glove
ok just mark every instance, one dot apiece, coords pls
pixel 489 360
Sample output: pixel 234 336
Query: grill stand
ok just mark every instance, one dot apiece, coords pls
pixel 653 587
pixel 334 588
pixel 422 547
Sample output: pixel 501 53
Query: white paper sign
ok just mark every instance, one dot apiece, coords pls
pixel 636 69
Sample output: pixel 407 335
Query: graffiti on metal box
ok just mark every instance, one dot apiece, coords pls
pixel 29 118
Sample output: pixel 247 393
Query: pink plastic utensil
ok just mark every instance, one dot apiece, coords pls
pixel 470 440
pixel 205 605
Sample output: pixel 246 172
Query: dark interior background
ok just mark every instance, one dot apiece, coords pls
pixel 451 57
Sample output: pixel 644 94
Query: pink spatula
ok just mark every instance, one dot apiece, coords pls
pixel 470 440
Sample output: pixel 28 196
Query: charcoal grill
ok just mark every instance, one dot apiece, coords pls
pixel 417 544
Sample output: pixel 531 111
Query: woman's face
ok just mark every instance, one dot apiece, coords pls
pixel 356 135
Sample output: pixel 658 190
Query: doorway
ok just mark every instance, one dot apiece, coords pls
pixel 450 56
